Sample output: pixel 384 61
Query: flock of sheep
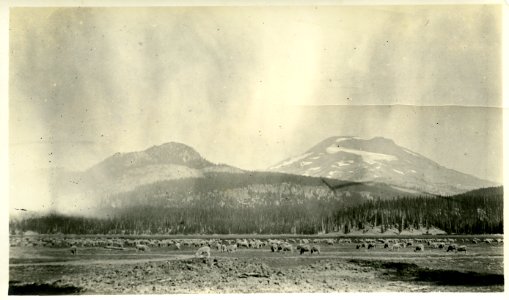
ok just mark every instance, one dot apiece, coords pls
pixel 204 246
pixel 448 244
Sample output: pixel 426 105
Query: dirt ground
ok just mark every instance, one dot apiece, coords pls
pixel 338 268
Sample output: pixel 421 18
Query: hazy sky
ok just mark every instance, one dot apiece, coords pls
pixel 242 84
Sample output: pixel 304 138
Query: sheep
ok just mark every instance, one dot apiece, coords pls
pixel 118 244
pixel 243 243
pixel 140 247
pixel 74 250
pixel 462 248
pixel 258 244
pixel 316 249
pixel 286 247
pixel 231 248
pixel 370 245
pixel 438 245
pixel 205 250
pixel 177 245
pixel 223 248
pixel 396 246
pixel 419 247
pixel 274 247
pixel 303 248
pixel 451 247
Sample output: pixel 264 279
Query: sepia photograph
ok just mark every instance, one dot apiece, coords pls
pixel 248 149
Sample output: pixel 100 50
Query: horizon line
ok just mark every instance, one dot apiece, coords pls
pixel 398 104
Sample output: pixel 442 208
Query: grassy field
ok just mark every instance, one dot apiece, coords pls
pixel 338 268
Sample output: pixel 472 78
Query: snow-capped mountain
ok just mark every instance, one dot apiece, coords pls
pixel 378 160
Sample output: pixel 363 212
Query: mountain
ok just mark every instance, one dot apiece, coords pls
pixel 175 173
pixel 378 160
pixel 124 172
pixel 166 154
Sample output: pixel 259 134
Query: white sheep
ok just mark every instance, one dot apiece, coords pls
pixel 203 251
pixel 231 248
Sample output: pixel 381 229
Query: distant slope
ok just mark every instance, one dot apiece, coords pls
pixel 484 192
pixel 251 189
pixel 378 160
pixel 249 202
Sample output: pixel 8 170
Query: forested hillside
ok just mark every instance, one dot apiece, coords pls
pixel 477 212
pixel 287 207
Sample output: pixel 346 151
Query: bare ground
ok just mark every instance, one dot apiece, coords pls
pixel 339 268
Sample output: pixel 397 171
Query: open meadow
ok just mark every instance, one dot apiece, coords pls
pixel 121 265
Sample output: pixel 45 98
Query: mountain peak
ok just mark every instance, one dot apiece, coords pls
pixel 177 153
pixel 377 159
pixel 168 153
pixel 377 144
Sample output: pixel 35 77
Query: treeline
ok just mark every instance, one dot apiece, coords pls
pixel 472 213
pixel 479 212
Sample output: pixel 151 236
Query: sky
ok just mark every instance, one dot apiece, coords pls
pixel 251 86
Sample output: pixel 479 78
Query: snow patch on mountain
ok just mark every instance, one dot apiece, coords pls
pixel 340 164
pixel 331 174
pixel 410 152
pixel 398 171
pixel 368 157
pixel 341 139
pixel 291 160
